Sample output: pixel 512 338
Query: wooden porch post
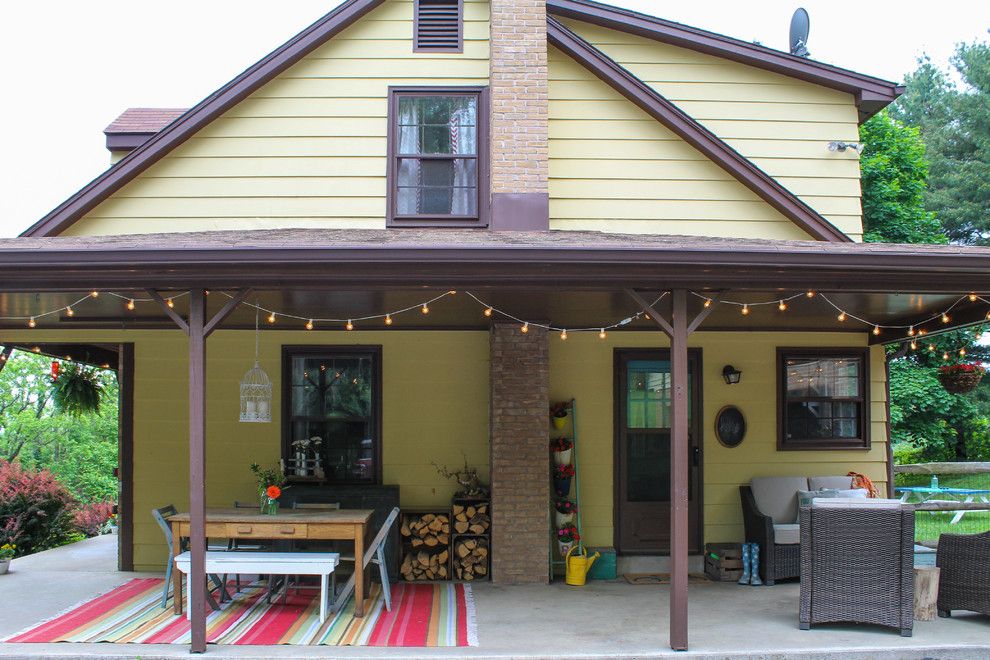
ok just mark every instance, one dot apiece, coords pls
pixel 679 473
pixel 197 468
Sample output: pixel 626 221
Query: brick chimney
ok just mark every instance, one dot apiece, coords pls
pixel 519 148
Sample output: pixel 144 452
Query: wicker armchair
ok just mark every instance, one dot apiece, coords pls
pixel 777 561
pixel 857 566
pixel 964 579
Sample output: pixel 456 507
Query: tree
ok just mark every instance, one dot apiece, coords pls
pixel 954 120
pixel 894 175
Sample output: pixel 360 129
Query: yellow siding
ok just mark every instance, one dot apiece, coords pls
pixel 582 368
pixel 435 408
pixel 306 150
pixel 782 124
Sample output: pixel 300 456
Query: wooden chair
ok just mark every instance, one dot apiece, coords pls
pixel 161 515
pixel 374 554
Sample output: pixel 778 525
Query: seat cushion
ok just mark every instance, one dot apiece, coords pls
pixel 856 503
pixel 852 493
pixel 787 534
pixel 777 497
pixel 832 483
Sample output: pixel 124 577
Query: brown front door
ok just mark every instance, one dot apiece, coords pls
pixel 642 451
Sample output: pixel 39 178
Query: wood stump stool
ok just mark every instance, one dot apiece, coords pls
pixel 925 592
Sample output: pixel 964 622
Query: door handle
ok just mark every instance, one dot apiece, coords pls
pixel 696 456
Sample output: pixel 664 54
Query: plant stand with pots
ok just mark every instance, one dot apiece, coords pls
pixel 566 488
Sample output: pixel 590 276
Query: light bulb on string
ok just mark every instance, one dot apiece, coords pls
pixel 782 306
pixel 451 293
pixel 810 294
pixel 388 319
pixel 425 308
pixel 922 332
pixel 972 296
pixel 911 331
pixel 931 348
pixel 32 323
pixel 94 294
pixel 130 304
pixel 876 330
pixel 68 311
pixel 350 325
pixel 525 327
pixel 945 318
pixel 841 316
pixel 309 324
pixel 962 352
pixel 708 302
pixel 914 345
pixel 945 355
pixel 563 334
pixel 745 310
pixel 602 334
pixel 271 318
pixel 488 311
pixel 170 303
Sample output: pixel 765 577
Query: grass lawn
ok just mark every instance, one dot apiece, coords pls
pixel 928 525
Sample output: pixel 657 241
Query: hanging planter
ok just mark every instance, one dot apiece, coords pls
pixel 256 387
pixel 564 511
pixel 561 448
pixel 558 414
pixel 567 537
pixel 562 475
pixel 960 378
pixel 76 390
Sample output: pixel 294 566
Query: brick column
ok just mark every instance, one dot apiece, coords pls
pixel 520 463
pixel 519 132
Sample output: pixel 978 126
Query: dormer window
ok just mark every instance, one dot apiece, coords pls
pixel 437 157
pixel 438 26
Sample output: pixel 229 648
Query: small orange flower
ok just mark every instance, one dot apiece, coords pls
pixel 273 492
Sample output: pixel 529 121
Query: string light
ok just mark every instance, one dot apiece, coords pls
pixel 602 334
pixel 810 294
pixel 271 318
pixel 841 316
pixel 94 294
pixel 68 311
pixel 945 317
pixel 745 310
pixel 911 331
pixel 350 325
pixel 31 322
pixel 130 305
pixel 452 293
pixel 876 330
pixel 782 306
pixel 563 334
pixel 931 348
pixel 972 296
pixel 488 311
pixel 525 327
pixel 309 324
pixel 708 302
pixel 945 355
pixel 388 319
pixel 914 345
pixel 962 352
pixel 170 303
pixel 425 308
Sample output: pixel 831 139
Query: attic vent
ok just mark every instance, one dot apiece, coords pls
pixel 437 26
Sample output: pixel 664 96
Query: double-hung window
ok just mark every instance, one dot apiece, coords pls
pixel 437 157
pixel 824 398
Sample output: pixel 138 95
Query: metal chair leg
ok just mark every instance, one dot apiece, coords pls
pixel 383 573
pixel 168 583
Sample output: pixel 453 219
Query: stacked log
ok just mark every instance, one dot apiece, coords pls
pixel 427 540
pixel 470 558
pixel 470 519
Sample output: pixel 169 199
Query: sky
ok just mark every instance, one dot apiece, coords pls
pixel 70 67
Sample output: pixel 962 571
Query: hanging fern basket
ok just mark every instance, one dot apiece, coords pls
pixel 77 391
pixel 960 378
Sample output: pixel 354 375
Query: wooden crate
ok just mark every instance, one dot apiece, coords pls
pixel 726 564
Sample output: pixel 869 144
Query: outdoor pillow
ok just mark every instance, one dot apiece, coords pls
pixel 840 483
pixel 806 496
pixel 853 493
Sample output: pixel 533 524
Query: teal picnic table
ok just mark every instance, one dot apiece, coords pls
pixel 929 493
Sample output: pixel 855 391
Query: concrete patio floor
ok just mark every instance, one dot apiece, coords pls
pixel 601 620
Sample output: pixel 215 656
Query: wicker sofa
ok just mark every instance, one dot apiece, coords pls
pixel 770 511
pixel 964 578
pixel 857 564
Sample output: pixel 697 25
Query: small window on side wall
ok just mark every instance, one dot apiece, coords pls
pixel 823 398
pixel 438 26
pixel 437 157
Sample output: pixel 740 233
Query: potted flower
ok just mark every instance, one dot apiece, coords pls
pixel 6 554
pixel 565 510
pixel 960 378
pixel 567 536
pixel 558 414
pixel 271 482
pixel 562 475
pixel 111 524
pixel 561 448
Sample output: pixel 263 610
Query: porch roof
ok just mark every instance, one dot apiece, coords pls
pixel 575 276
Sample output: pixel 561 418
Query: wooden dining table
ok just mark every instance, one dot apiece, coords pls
pixel 296 524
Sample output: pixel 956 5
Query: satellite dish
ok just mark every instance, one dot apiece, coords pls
pixel 800 25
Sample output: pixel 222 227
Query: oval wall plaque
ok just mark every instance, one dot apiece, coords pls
pixel 730 426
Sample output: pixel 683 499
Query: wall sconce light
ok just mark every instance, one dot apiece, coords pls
pixel 839 145
pixel 731 374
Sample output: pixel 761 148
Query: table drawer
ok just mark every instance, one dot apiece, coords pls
pixel 247 530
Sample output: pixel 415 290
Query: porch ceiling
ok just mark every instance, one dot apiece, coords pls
pixel 571 279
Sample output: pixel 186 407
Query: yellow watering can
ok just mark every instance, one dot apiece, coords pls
pixel 577 566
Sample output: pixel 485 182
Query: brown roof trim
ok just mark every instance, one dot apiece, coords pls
pixel 872 94
pixel 199 116
pixel 683 125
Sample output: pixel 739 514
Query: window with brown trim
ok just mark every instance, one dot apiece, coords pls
pixel 437 157
pixel 823 398
pixel 334 393
pixel 438 26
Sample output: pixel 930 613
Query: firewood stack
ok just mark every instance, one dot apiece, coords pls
pixel 471 519
pixel 427 539
pixel 470 558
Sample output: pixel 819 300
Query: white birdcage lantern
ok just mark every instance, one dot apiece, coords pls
pixel 256 387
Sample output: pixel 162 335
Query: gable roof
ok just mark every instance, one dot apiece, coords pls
pixel 699 137
pixel 872 94
pixel 199 116
pixel 135 126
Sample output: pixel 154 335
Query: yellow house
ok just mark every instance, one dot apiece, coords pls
pixel 445 215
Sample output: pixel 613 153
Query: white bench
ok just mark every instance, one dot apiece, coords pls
pixel 269 563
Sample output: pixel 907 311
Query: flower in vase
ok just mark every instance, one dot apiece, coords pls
pixel 273 492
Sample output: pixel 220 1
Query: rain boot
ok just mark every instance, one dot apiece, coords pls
pixel 746 564
pixel 754 563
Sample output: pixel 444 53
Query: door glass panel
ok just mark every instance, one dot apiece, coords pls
pixel 648 467
pixel 648 394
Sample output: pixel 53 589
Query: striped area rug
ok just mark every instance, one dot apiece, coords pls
pixel 423 615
